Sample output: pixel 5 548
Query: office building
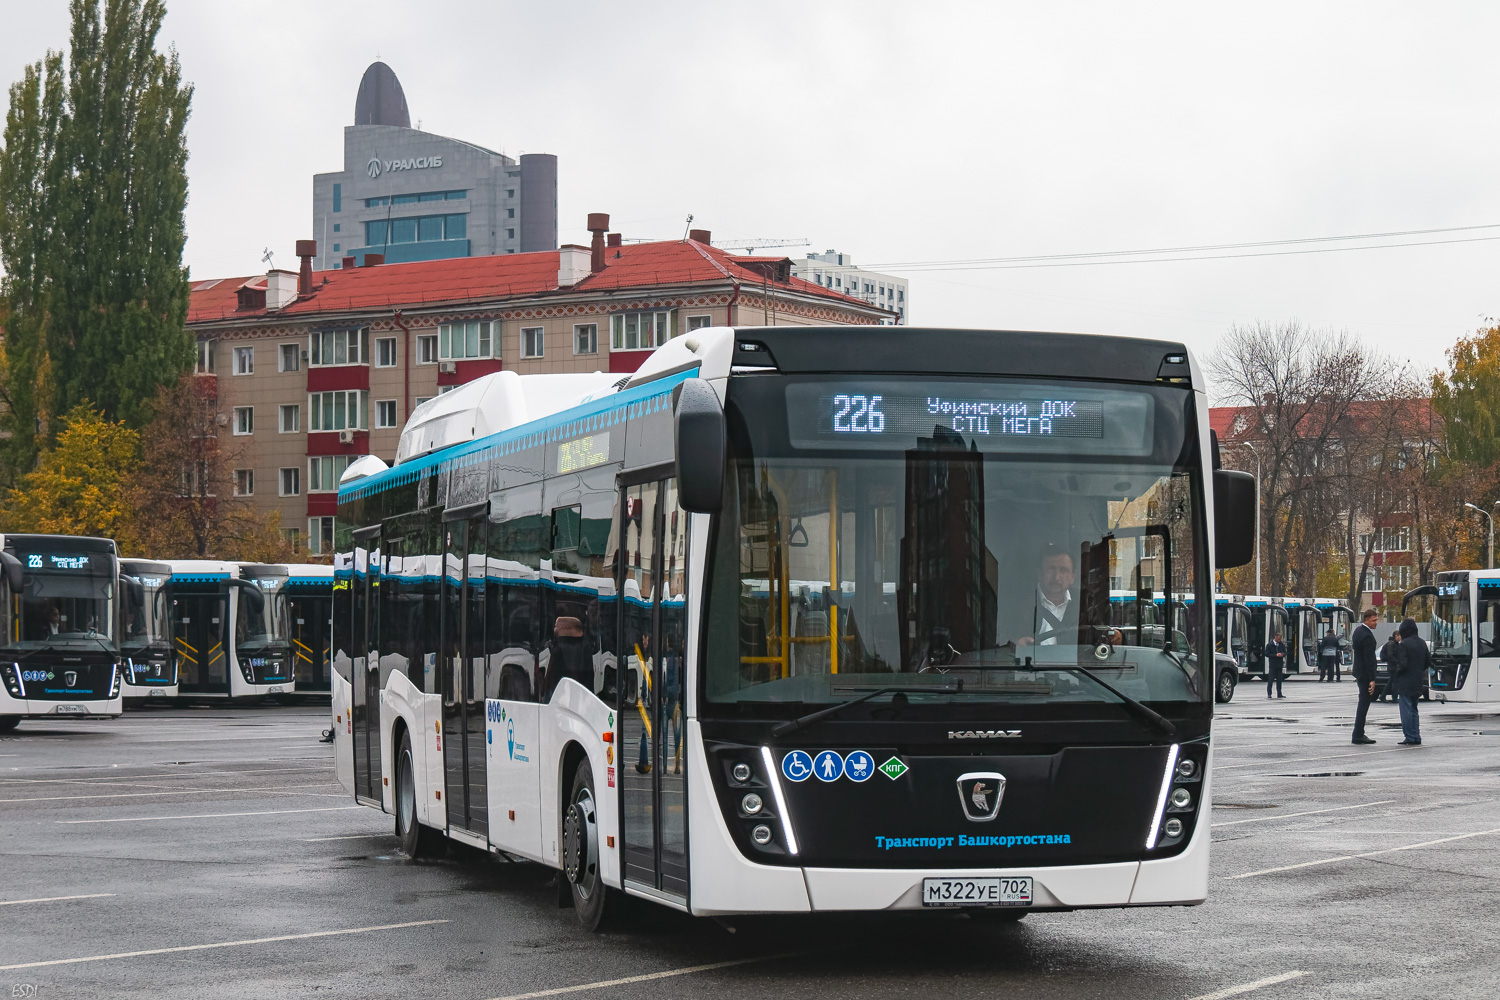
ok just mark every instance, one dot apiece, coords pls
pixel 409 195
pixel 835 270
pixel 311 369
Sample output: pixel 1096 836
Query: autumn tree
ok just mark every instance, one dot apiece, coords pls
pixel 1467 397
pixel 184 488
pixel 93 186
pixel 79 487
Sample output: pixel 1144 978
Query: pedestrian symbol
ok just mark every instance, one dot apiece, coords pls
pixel 858 766
pixel 797 765
pixel 893 768
pixel 828 766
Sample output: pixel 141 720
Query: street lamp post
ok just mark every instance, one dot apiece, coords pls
pixel 1251 446
pixel 1489 552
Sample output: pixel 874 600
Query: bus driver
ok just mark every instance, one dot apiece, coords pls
pixel 1055 620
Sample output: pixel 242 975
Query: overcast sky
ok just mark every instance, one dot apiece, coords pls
pixel 910 132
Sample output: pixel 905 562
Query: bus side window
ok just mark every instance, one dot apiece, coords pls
pixel 518 534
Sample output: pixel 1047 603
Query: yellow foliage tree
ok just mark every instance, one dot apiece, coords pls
pixel 78 487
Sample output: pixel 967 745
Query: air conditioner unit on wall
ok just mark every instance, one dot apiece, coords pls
pixel 346 437
pixel 447 367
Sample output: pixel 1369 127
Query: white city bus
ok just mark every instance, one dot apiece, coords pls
pixel 593 623
pixel 1458 614
pixel 218 632
pixel 150 668
pixel 58 607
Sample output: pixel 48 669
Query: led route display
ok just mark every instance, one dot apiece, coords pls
pixel 1004 416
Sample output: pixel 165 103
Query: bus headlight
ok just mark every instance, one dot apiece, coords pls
pixel 741 772
pixel 114 681
pixel 751 803
pixel 761 834
pixel 13 685
pixel 1186 769
pixel 1181 798
pixel 1173 828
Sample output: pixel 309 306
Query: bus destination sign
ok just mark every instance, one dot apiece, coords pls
pixel 38 560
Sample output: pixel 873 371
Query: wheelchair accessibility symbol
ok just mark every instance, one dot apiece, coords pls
pixel 797 765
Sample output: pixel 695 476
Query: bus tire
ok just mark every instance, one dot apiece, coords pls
pixel 9 722
pixel 580 854
pixel 417 841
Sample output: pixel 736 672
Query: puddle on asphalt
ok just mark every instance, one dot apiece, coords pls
pixel 1259 718
pixel 1322 774
pixel 1247 805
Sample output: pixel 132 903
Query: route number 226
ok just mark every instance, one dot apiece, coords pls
pixel 858 414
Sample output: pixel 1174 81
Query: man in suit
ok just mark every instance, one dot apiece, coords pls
pixel 1275 654
pixel 1364 671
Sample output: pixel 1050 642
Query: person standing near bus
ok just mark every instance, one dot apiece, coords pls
pixel 1275 654
pixel 1408 674
pixel 1364 671
pixel 1328 657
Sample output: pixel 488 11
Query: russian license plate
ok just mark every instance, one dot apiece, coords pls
pixel 72 710
pixel 976 891
pixel 158 693
pixel 275 688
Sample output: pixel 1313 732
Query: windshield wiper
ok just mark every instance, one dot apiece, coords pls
pixel 1136 708
pixel 803 721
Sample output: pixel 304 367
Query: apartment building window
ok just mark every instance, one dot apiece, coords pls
pixel 385 413
pixel 293 538
pixel 244 482
pixel 244 360
pixel 586 338
pixel 533 339
pixel 205 365
pixel 423 399
pixel 323 472
pixel 291 482
pixel 699 322
pixel 289 357
pixel 338 411
pixel 385 352
pixel 427 349
pixel 634 331
pixel 319 535
pixel 244 420
pixel 462 341
pixel 339 347
pixel 289 418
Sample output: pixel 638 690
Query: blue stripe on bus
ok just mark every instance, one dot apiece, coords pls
pixel 597 414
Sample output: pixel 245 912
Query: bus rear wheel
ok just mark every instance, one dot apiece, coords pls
pixel 580 853
pixel 417 841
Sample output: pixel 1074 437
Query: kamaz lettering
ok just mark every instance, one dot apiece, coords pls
pixel 984 734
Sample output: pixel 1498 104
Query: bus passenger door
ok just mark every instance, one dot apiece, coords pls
pixel 652 786
pixel 198 635
pixel 365 684
pixel 477 791
pixel 455 744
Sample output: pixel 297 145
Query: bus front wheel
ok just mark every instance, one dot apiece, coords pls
pixel 580 853
pixel 417 841
pixel 9 722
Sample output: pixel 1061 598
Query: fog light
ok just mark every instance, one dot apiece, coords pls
pixel 741 771
pixel 1186 768
pixel 751 803
pixel 761 834
pixel 1173 827
pixel 1181 798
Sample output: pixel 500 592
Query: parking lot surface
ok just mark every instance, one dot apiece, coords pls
pixel 208 852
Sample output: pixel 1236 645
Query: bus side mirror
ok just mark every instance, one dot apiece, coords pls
pixel 251 595
pixel 1234 518
pixel 701 441
pixel 134 591
pixel 13 573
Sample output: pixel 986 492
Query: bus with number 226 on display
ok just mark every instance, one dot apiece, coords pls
pixel 799 619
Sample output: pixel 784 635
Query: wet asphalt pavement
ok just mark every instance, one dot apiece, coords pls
pixel 212 854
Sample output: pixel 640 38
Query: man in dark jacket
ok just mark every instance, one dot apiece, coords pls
pixel 1275 654
pixel 1328 657
pixel 1407 679
pixel 1364 670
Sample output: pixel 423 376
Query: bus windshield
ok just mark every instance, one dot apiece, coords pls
pixel 1451 632
pixel 148 625
pixel 991 536
pixel 71 605
pixel 269 624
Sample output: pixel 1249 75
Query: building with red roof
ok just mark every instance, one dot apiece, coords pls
pixel 312 369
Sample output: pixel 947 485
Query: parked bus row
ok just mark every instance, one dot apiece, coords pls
pixel 86 631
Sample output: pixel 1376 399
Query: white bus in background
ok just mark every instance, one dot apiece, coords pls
pixel 662 520
pixel 146 633
pixel 1457 615
pixel 213 612
pixel 59 612
pixel 309 612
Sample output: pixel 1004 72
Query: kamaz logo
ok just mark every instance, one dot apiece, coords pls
pixel 984 734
